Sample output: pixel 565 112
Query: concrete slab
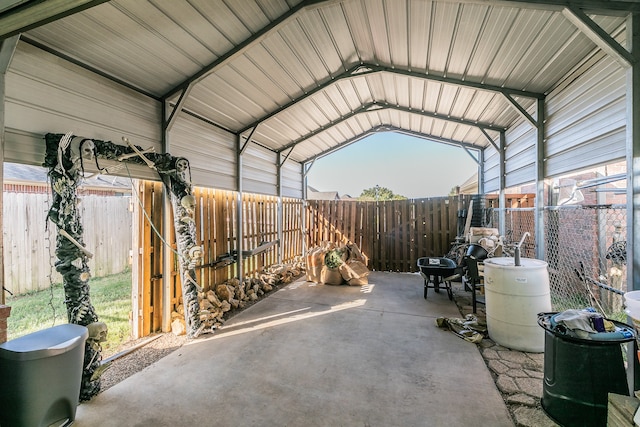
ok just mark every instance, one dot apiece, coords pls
pixel 317 355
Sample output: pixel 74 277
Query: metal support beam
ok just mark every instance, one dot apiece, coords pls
pixel 167 255
pixel 520 109
pixel 32 14
pixel 597 35
pixel 7 49
pixel 256 38
pixel 477 159
pixel 540 175
pixel 633 175
pixel 386 128
pixel 633 155
pixel 279 213
pixel 502 198
pixel 239 206
pixel 480 171
pixel 491 141
pixel 170 121
pixel 303 220
pixel 361 70
pixel 374 106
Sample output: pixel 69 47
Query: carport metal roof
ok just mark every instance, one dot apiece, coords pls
pixel 304 78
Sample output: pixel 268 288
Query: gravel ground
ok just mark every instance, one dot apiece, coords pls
pixel 165 343
pixel 127 365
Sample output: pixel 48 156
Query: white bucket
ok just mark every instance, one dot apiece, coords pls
pixel 514 296
pixel 632 304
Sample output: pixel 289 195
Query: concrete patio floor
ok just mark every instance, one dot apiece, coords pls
pixel 317 355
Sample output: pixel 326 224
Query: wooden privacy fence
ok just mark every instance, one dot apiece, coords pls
pixel 216 227
pixel 29 245
pixel 391 234
pixel 394 234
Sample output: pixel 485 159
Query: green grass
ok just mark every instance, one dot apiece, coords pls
pixel 110 296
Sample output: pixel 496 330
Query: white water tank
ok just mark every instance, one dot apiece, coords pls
pixel 514 296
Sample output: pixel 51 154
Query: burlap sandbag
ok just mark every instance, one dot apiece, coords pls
pixel 355 253
pixel 360 281
pixel 353 269
pixel 315 262
pixel 331 276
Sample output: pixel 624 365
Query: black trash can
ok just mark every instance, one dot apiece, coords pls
pixel 579 373
pixel 40 376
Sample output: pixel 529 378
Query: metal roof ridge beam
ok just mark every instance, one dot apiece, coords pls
pixel 600 37
pixel 448 118
pixel 31 15
pixel 244 45
pixel 375 106
pixel 458 82
pixel 363 69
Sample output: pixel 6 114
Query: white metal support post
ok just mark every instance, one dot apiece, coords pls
pixel 633 154
pixel 7 49
pixel 167 209
pixel 502 199
pixel 239 215
pixel 280 213
pixel 633 175
pixel 540 175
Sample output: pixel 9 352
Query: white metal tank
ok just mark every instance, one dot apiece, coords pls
pixel 514 296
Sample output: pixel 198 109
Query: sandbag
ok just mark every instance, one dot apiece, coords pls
pixel 331 276
pixel 360 281
pixel 353 269
pixel 314 263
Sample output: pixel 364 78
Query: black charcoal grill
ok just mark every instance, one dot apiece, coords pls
pixel 436 272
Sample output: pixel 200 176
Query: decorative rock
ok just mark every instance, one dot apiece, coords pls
pixel 180 309
pixel 205 304
pixel 225 306
pixel 234 303
pixel 213 298
pixel 178 327
pixel 224 293
pixel 267 287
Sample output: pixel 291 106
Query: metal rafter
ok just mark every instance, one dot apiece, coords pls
pixel 388 128
pixel 242 47
pixel 605 7
pixel 36 13
pixel 599 36
pixel 375 106
pixel 366 69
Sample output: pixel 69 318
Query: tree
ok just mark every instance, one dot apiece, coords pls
pixel 378 193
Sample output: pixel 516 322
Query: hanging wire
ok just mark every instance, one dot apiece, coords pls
pixel 146 215
pixel 47 238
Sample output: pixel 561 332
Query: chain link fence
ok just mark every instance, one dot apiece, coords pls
pixel 586 253
pixel 585 249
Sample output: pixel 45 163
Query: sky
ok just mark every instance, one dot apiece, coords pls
pixel 409 166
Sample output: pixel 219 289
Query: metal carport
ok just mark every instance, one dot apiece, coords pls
pixel 252 92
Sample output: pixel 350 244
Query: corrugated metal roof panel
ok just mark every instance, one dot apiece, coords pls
pixel 158 45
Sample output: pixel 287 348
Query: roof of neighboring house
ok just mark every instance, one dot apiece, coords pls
pixel 470 186
pixel 313 194
pixel 36 175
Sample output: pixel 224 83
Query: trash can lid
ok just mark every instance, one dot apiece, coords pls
pixel 623 332
pixel 45 343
